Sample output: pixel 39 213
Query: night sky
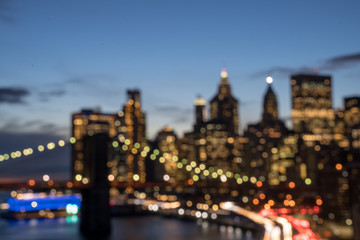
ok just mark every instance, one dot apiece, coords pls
pixel 57 57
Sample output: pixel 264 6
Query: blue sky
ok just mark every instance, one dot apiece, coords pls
pixel 57 57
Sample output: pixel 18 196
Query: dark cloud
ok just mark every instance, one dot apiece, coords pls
pixel 282 71
pixel 52 93
pixel 5 11
pixel 273 71
pixel 16 126
pixel 13 95
pixel 343 61
pixel 334 63
pixel 181 119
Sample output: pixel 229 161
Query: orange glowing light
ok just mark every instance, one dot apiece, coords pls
pixel 271 202
pixel 286 202
pixel 319 202
pixel 190 182
pixel 291 184
pixel 255 201
pixel 31 182
pixel 338 166
pixel 292 203
pixel 262 196
pixel 50 182
pixel 69 184
pixel 288 196
pixel 259 184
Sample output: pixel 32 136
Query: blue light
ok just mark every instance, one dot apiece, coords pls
pixel 44 203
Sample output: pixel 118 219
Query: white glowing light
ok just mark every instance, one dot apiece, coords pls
pixel 269 80
pixel 46 178
pixel 181 211
pixel 34 204
pixel 166 177
pixel 224 73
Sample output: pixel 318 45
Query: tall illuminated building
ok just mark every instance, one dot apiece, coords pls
pixel 270 106
pixel 263 148
pixel 312 105
pixel 339 129
pixel 352 126
pixel 352 111
pixel 88 123
pixel 200 110
pixel 166 142
pixel 133 129
pixel 224 107
pixel 215 142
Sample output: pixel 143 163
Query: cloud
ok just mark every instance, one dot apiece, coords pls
pixel 13 95
pixel 175 114
pixel 4 12
pixel 16 126
pixel 52 93
pixel 340 62
pixel 334 63
pixel 182 119
pixel 282 71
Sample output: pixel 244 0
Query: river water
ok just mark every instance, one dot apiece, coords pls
pixel 150 227
pixel 131 228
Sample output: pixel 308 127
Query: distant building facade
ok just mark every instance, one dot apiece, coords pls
pixel 263 155
pixel 224 107
pixel 126 129
pixel 87 123
pixel 312 111
pixel 132 127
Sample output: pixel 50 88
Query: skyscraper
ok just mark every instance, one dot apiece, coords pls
pixel 352 127
pixel 166 142
pixel 270 106
pixel 214 142
pixel 87 123
pixel 312 105
pixel 265 139
pixel 200 110
pixel 224 107
pixel 313 120
pixel 134 131
pixel 352 111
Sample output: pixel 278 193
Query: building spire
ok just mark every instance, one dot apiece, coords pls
pixel 224 76
pixel 270 111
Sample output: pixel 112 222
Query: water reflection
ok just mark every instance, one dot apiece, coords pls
pixel 134 228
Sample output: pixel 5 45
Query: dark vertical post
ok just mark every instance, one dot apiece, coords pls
pixel 354 193
pixel 95 209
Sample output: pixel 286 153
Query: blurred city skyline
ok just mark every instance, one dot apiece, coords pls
pixel 60 57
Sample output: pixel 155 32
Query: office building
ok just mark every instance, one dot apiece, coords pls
pixel 87 123
pixel 312 112
pixel 224 107
pixel 132 127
